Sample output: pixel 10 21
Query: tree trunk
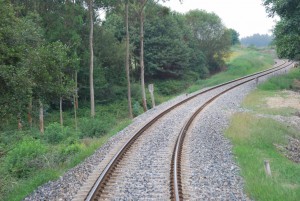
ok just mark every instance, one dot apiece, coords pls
pixel 41 116
pixel 91 59
pixel 19 122
pixel 29 115
pixel 127 65
pixel 76 90
pixel 75 113
pixel 61 112
pixel 142 59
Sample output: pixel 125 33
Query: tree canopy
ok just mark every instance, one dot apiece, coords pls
pixel 287 30
pixel 44 49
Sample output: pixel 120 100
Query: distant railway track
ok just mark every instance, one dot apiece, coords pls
pixel 176 191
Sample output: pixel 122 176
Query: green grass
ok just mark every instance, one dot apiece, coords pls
pixel 282 82
pixel 254 140
pixel 18 189
pixel 23 187
pixel 257 102
pixel 242 63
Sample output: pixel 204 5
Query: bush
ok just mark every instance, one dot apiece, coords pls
pixel 137 109
pixel 67 152
pixel 55 133
pixel 93 127
pixel 136 91
pixel 25 157
pixel 70 150
pixel 172 87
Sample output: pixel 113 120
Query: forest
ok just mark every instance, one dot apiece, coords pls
pixel 69 74
pixel 55 54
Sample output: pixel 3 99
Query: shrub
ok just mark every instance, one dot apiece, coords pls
pixel 55 133
pixel 25 157
pixel 67 152
pixel 136 91
pixel 137 109
pixel 172 87
pixel 93 127
pixel 71 149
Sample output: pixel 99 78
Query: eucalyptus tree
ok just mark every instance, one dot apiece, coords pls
pixel 91 17
pixel 140 6
pixel 46 70
pixel 127 61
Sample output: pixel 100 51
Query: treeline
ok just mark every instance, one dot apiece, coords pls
pixel 257 40
pixel 287 29
pixel 61 53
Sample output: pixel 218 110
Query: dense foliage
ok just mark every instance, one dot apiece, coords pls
pixel 42 54
pixel 45 71
pixel 287 30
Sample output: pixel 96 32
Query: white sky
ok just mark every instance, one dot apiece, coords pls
pixel 247 17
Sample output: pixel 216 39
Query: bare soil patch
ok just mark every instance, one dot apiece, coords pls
pixel 291 150
pixel 290 99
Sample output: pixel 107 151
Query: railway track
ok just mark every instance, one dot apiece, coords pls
pixel 176 184
pixel 109 173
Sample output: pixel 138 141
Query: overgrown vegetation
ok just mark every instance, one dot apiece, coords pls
pixel 289 81
pixel 256 138
pixel 29 159
pixel 242 62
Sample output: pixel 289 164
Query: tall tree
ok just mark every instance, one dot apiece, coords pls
pixel 212 36
pixel 141 13
pixel 92 96
pixel 127 62
pixel 234 37
pixel 18 37
pixel 46 70
pixel 167 52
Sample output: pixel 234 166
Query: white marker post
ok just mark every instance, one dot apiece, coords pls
pixel 151 90
pixel 267 167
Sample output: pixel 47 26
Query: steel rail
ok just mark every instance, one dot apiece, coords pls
pixel 107 172
pixel 176 186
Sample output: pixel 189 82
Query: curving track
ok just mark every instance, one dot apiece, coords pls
pixel 176 184
pixel 141 167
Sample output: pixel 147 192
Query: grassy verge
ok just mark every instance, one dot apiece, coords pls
pixel 53 163
pixel 254 139
pixel 244 62
pixel 257 101
pixel 21 188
